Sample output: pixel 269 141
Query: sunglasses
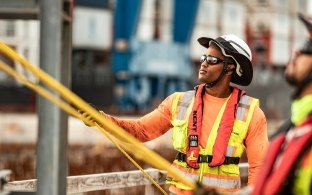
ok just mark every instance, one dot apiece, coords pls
pixel 211 60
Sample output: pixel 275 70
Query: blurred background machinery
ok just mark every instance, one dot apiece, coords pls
pixel 128 56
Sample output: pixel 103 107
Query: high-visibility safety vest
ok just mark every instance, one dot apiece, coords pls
pixel 287 168
pixel 303 181
pixel 224 178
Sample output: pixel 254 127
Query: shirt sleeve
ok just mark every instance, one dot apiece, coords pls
pixel 151 125
pixel 256 143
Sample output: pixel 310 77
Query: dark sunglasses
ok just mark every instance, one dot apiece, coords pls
pixel 211 60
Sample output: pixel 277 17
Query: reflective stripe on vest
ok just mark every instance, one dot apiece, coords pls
pixel 225 177
pixel 241 112
pixel 230 151
pixel 226 184
pixel 184 104
pixel 302 183
pixel 243 107
pixel 241 125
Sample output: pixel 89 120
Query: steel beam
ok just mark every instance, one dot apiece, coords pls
pixel 26 10
pixel 18 3
pixel 55 59
pixel 55 52
pixel 19 9
pixel 19 13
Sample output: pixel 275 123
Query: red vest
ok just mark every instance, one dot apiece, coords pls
pixel 224 132
pixel 283 154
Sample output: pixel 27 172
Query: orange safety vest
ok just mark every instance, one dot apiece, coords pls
pixel 224 178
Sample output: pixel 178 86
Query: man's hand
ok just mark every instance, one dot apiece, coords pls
pixel 87 118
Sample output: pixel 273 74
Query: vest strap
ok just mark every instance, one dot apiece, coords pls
pixel 208 158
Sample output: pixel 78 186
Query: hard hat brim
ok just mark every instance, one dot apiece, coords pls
pixel 307 46
pixel 244 63
pixel 306 21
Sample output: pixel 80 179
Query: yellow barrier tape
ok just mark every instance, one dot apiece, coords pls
pixel 138 149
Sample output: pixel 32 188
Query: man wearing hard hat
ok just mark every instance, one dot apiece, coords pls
pixel 288 165
pixel 213 125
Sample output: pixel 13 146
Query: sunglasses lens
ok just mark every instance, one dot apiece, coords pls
pixel 212 60
pixel 202 58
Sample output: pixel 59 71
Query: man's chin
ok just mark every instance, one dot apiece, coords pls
pixel 291 81
pixel 200 79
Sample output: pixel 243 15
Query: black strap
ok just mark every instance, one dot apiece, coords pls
pixel 306 80
pixel 207 159
pixel 284 128
pixel 213 83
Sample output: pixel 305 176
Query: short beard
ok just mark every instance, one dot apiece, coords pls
pixel 291 80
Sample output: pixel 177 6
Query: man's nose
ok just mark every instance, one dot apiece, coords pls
pixel 204 64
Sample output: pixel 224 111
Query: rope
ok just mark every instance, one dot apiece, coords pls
pixel 114 141
pixel 45 93
pixel 137 148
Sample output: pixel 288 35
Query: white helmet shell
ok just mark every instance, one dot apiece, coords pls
pixel 240 45
pixel 235 48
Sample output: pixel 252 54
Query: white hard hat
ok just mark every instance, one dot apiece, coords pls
pixel 235 48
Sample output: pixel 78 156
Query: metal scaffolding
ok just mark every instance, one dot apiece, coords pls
pixel 55 58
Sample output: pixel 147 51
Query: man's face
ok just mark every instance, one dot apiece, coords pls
pixel 298 68
pixel 210 72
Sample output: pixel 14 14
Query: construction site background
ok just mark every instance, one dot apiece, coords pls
pixel 98 80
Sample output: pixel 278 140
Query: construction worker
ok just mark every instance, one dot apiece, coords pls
pixel 288 165
pixel 213 124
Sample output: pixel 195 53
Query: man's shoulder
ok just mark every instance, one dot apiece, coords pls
pixel 190 92
pixel 180 97
pixel 257 109
pixel 258 113
pixel 248 98
pixel 251 96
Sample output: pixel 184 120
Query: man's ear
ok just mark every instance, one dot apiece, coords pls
pixel 230 69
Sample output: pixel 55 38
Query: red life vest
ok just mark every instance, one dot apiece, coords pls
pixel 224 132
pixel 283 155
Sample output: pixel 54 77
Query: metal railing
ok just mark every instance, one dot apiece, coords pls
pixel 4 179
pixel 106 181
pixel 95 182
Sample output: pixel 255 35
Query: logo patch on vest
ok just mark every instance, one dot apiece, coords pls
pixel 191 157
pixel 193 141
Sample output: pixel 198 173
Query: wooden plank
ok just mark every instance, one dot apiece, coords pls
pixel 24 185
pixel 113 180
pixel 4 177
pixel 94 182
pixel 104 181
pixel 5 173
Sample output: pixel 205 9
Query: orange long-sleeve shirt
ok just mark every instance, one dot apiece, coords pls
pixel 158 122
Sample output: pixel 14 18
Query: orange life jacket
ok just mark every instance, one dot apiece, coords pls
pixel 224 132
